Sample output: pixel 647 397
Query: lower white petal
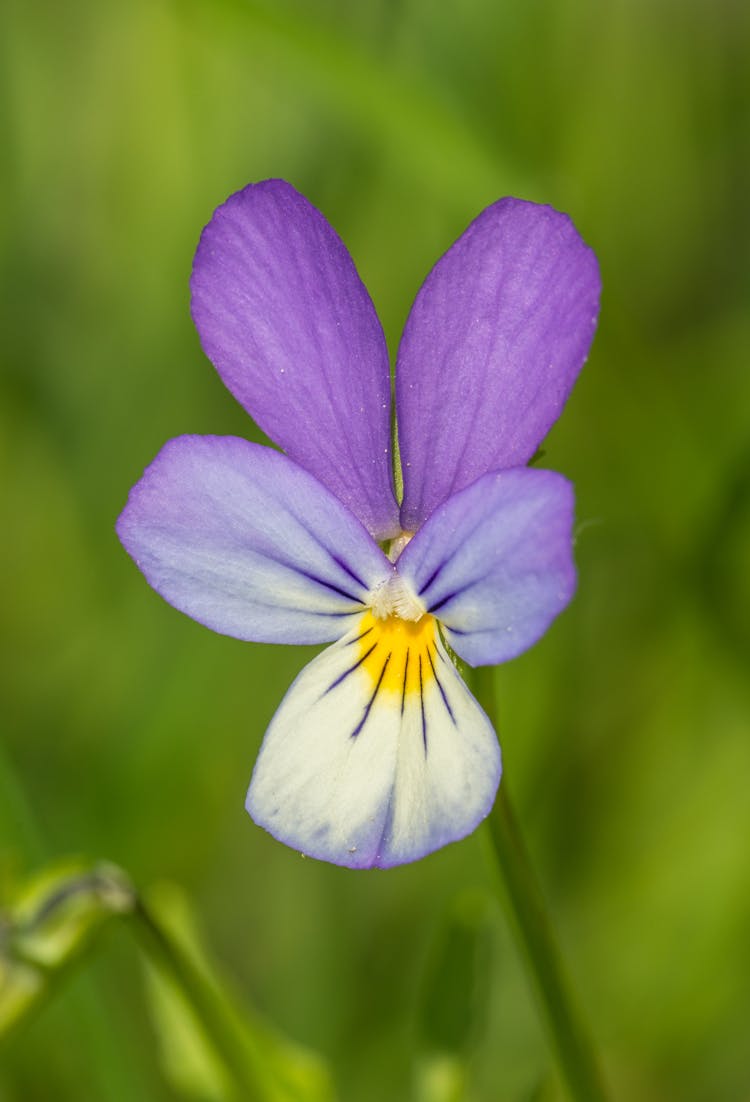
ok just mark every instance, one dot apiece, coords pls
pixel 379 753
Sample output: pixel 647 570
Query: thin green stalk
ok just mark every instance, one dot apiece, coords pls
pixel 215 1020
pixel 567 1030
pixel 18 826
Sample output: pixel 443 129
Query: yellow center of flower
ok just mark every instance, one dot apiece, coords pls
pixel 399 655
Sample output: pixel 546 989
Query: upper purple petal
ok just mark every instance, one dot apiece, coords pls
pixel 248 543
pixel 493 345
pixel 494 563
pixel 288 324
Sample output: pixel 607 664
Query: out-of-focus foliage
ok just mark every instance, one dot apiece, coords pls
pixel 129 732
pixel 51 922
pixel 452 1005
pixel 212 1048
pixel 454 992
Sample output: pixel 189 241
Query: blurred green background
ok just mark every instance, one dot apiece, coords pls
pixel 129 732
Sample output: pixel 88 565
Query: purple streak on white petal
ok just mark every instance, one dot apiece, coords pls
pixel 288 324
pixel 493 345
pixel 248 543
pixel 360 778
pixel 494 563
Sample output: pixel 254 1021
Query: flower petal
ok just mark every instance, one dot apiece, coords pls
pixel 491 349
pixel 291 329
pixel 494 563
pixel 246 542
pixel 379 754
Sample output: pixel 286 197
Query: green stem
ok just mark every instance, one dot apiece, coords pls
pixel 567 1030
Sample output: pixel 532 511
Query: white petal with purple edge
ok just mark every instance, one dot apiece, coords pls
pixel 248 543
pixel 378 754
pixel 288 324
pixel 494 563
pixel 491 348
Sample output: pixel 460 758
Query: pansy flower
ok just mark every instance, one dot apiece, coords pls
pixel 378 753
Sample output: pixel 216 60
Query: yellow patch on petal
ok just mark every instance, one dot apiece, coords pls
pixel 398 655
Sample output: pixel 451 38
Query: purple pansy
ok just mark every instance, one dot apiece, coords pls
pixel 379 753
